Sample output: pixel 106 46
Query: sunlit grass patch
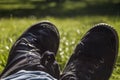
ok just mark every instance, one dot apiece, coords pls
pixel 71 31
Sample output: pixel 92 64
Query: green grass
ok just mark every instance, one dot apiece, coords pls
pixel 72 18
pixel 71 31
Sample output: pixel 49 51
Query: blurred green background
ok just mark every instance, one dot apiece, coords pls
pixel 72 18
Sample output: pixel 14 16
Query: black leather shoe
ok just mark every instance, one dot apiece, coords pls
pixel 35 50
pixel 95 56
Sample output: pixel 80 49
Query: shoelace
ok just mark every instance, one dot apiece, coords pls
pixel 44 61
pixel 91 63
pixel 28 42
pixel 49 64
pixel 47 57
pixel 87 66
pixel 90 67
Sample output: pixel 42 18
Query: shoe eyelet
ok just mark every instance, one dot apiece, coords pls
pixel 101 60
pixel 72 67
pixel 73 70
pixel 91 71
pixel 33 39
pixel 96 66
pixel 88 77
pixel 46 62
pixel 29 62
pixel 72 78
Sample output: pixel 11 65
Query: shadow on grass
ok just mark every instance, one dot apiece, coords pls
pixel 42 9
